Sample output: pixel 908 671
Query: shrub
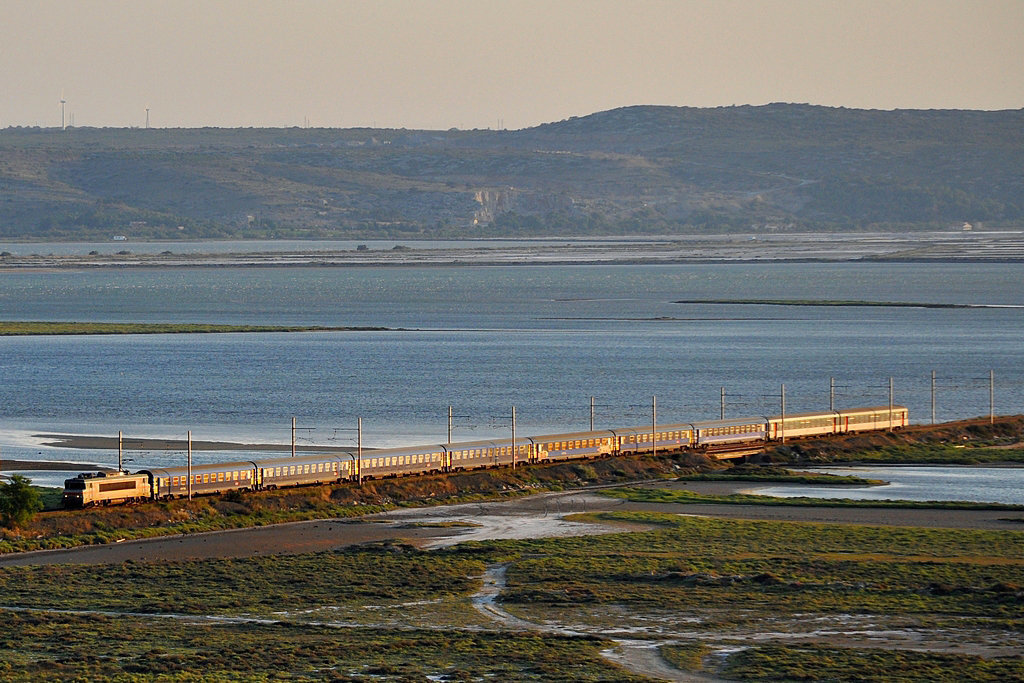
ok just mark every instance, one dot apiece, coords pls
pixel 19 501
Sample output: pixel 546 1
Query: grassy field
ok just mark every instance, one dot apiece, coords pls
pixel 59 647
pixel 938 454
pixel 812 663
pixel 405 610
pixel 776 568
pixel 646 495
pixel 767 473
pixel 10 329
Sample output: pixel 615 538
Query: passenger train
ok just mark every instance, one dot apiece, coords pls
pixel 164 483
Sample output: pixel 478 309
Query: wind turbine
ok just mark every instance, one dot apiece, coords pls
pixel 62 103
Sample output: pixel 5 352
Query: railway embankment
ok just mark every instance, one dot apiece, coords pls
pixel 963 442
pixel 69 528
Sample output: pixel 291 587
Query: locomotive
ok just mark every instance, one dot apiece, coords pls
pixel 164 483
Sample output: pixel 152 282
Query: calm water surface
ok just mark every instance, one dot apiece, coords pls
pixel 976 484
pixel 482 339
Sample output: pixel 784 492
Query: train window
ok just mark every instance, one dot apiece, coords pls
pixel 206 478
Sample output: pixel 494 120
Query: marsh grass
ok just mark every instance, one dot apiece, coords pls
pixel 781 475
pixel 66 328
pixel 688 656
pixel 775 567
pixel 41 647
pixel 384 575
pixel 646 495
pixel 936 454
pixel 816 663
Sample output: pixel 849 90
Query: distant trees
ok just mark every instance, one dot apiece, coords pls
pixel 19 501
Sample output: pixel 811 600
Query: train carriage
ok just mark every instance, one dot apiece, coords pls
pixel 303 470
pixel 579 445
pixel 105 488
pixel 472 455
pixel 802 425
pixel 668 437
pixel 396 462
pixel 173 482
pixel 866 419
pixel 733 431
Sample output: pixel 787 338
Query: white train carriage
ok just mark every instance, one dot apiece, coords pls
pixel 668 437
pixel 472 455
pixel 801 425
pixel 173 482
pixel 866 419
pixel 393 462
pixel 733 431
pixel 105 488
pixel 579 445
pixel 303 470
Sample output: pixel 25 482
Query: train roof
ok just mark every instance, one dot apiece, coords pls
pixel 573 436
pixel 871 409
pixel 200 469
pixel 488 443
pixel 801 416
pixel 732 422
pixel 305 459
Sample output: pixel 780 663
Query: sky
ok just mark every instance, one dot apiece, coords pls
pixel 442 64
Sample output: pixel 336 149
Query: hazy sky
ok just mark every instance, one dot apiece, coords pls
pixel 475 63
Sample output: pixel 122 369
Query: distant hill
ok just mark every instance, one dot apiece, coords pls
pixel 644 169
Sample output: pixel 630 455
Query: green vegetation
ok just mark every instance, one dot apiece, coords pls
pixel 780 475
pixel 738 569
pixel 62 328
pixel 817 663
pixel 776 167
pixel 60 647
pixel 688 657
pixel 390 573
pixel 936 454
pixel 65 529
pixel 19 501
pixel 819 302
pixel 406 612
pixel 645 495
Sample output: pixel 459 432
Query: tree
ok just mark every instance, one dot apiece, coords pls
pixel 18 501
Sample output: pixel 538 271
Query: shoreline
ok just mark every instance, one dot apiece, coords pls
pixel 86 442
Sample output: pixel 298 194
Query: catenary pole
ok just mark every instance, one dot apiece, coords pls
pixel 359 451
pixel 782 420
pixel 890 404
pixel 189 464
pixel 120 451
pixel 991 396
pixel 293 437
pixel 513 437
pixel 591 413
pixel 933 397
pixel 721 412
pixel 654 425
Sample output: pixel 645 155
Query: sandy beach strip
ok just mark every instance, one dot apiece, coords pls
pixel 86 442
pixel 49 465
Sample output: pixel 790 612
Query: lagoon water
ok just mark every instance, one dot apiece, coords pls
pixel 976 484
pixel 483 339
